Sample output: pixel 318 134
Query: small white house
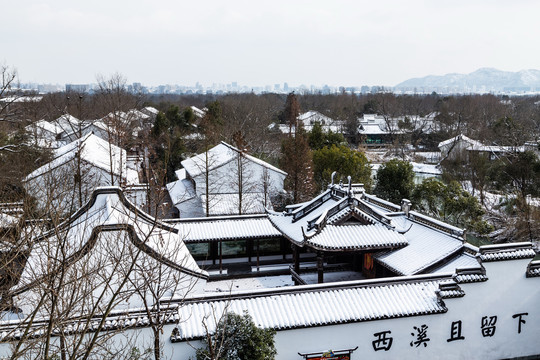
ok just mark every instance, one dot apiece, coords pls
pixel 76 170
pixel 457 146
pixel 310 118
pixel 44 134
pixel 225 181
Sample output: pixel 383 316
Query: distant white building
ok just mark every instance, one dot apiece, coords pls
pixel 225 181
pixel 457 146
pixel 310 118
pixel 76 170
pixel 151 112
pixel 460 146
pixel 114 127
pixel 198 112
pixel 378 129
pixel 44 134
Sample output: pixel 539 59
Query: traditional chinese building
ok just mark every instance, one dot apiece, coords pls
pixel 433 295
pixel 487 311
pixel 351 230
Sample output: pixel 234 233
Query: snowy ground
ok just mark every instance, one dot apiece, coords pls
pixel 276 281
pixel 418 168
pixel 248 283
pixel 334 276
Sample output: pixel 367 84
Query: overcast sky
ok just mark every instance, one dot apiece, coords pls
pixel 265 42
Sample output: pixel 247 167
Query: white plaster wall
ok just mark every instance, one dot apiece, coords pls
pixel 224 179
pixel 507 292
pixel 57 188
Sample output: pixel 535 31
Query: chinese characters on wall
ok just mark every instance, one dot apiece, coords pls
pixel 420 334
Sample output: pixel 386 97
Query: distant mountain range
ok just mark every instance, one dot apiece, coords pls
pixel 481 80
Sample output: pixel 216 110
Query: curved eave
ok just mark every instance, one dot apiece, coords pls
pixel 295 242
pixel 356 248
pixel 139 214
pixel 139 243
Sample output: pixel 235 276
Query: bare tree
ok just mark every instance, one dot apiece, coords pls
pixel 107 259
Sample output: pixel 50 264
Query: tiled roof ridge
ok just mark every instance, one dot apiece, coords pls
pixel 449 290
pixel 214 218
pixel 509 251
pixel 119 320
pixel 470 275
pixel 104 190
pixel 533 269
pixel 371 283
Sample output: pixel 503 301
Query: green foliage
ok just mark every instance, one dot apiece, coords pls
pixel 214 112
pixel 450 203
pixel 520 171
pixel 169 146
pixel 370 107
pixel 344 161
pixel 161 125
pixel 317 138
pixel 176 119
pixel 189 116
pixel 238 338
pixel 395 181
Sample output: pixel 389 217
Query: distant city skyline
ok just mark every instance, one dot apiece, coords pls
pixel 343 43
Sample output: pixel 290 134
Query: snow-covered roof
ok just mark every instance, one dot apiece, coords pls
pixel 150 110
pixel 312 116
pixel 372 129
pixel 338 220
pixel 463 260
pixel 21 99
pixel 427 246
pixel 218 156
pixel 93 150
pixel 418 168
pixel 497 148
pixel 181 190
pixel 322 224
pixel 198 112
pixel 45 125
pixel 135 114
pixel 533 269
pixel 67 122
pixel 102 220
pixel 356 237
pixel 315 305
pixel 293 228
pixel 510 251
pixel 458 138
pixel 225 228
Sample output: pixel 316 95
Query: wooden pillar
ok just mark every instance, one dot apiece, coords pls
pixel 258 255
pixel 220 256
pixel 213 250
pixel 296 256
pixel 320 267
